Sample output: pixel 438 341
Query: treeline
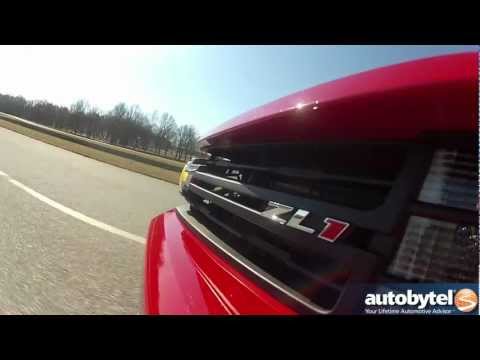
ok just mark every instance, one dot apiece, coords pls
pixel 124 125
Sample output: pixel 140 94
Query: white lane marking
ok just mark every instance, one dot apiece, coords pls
pixel 77 215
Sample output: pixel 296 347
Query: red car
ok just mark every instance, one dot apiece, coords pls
pixel 369 179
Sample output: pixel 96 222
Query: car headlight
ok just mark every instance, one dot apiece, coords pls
pixel 186 174
pixel 183 176
pixel 190 166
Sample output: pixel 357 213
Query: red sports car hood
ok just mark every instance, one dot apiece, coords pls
pixel 397 102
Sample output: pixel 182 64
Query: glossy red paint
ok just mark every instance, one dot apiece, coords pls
pixel 396 102
pixel 184 276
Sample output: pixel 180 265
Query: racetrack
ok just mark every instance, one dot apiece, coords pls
pixel 72 230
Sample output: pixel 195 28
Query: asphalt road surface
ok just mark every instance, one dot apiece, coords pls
pixel 72 230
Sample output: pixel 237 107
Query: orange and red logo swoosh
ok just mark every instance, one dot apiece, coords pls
pixel 466 300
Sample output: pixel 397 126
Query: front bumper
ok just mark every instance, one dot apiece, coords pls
pixel 185 276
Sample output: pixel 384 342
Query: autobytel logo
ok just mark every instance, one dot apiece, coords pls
pixel 435 299
pixel 466 300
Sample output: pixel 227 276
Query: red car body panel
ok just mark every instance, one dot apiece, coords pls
pixel 183 275
pixel 396 102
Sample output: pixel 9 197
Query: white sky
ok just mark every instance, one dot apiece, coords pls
pixel 103 75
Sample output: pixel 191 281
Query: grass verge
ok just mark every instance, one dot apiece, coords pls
pixel 151 166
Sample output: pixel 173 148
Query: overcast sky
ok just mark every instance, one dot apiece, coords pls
pixel 199 85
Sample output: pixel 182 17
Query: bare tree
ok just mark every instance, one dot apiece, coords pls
pixel 78 111
pixel 166 131
pixel 124 125
pixel 186 140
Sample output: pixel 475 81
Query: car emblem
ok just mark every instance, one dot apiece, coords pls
pixel 331 231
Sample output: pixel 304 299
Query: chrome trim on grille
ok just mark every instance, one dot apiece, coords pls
pixel 182 211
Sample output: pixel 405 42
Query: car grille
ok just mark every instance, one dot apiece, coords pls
pixel 429 252
pixel 443 249
pixel 452 180
pixel 374 188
